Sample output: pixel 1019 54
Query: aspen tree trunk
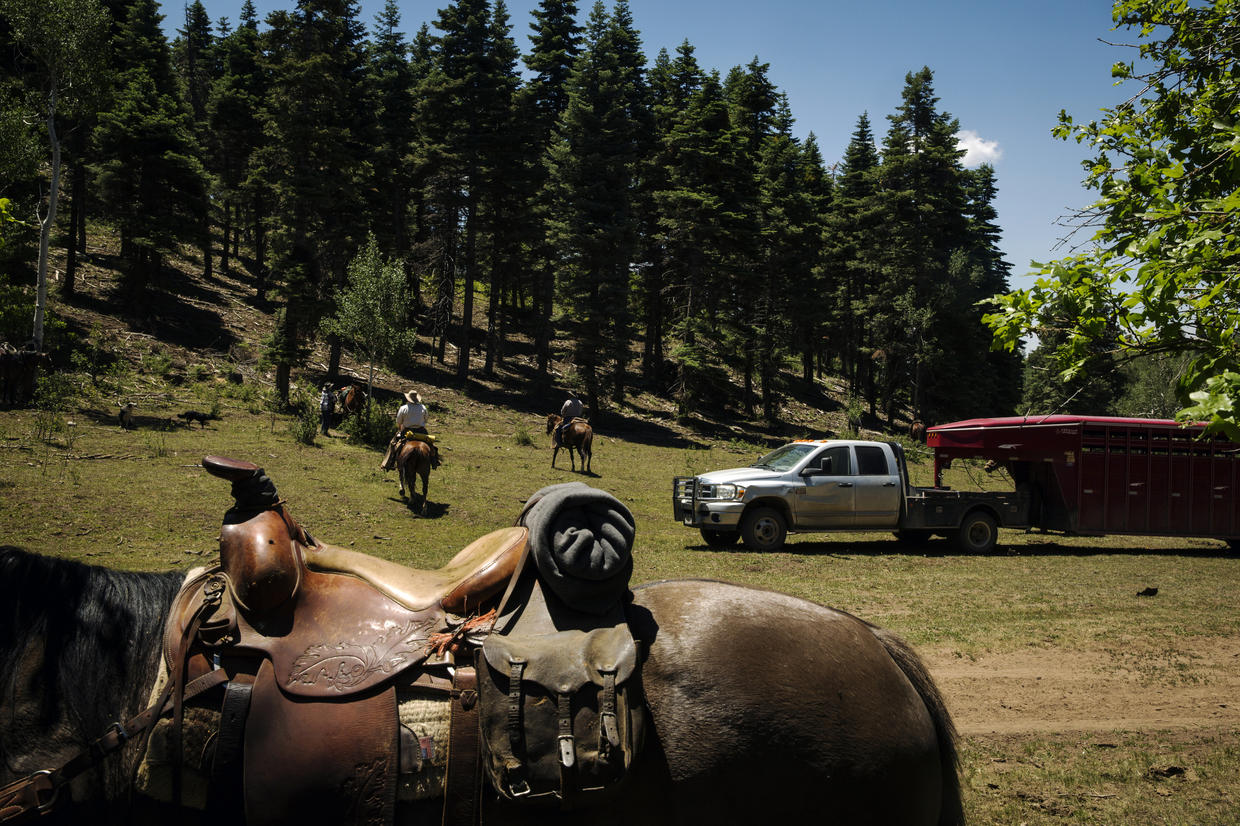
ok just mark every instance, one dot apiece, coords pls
pixel 45 234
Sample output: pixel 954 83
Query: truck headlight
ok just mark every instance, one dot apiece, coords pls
pixel 729 492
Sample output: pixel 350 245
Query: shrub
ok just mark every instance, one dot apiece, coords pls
pixel 305 424
pixel 94 355
pixel 854 411
pixel 53 395
pixel 156 363
pixel 372 426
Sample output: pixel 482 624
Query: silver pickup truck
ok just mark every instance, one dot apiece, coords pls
pixel 837 485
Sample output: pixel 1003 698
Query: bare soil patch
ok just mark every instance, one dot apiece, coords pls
pixel 1194 686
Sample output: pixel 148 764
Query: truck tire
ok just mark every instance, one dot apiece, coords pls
pixel 763 529
pixel 720 539
pixel 978 533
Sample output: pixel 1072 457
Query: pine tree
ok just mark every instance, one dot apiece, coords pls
pixel 391 87
pixel 465 102
pixel 509 182
pixel 556 43
pixel 233 118
pixel 924 226
pixel 150 179
pixel 592 176
pixel 650 296
pixel 852 261
pixel 195 60
pixel 316 162
pixel 753 100
pixel 999 392
pixel 696 214
pixel 790 214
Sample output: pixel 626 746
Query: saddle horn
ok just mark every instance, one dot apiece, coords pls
pixel 252 490
pixel 258 541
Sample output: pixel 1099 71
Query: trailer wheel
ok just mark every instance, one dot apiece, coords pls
pixel 720 539
pixel 764 529
pixel 978 533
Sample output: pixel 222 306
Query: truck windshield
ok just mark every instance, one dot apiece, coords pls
pixel 785 458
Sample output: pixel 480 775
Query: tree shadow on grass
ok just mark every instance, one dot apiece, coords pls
pixel 845 549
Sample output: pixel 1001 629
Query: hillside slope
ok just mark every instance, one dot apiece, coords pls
pixel 189 323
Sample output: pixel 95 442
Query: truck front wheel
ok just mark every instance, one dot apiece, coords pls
pixel 978 533
pixel 719 539
pixel 764 529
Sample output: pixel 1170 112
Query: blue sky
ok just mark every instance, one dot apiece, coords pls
pixel 1003 68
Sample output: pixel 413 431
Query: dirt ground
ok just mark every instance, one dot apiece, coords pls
pixel 1051 691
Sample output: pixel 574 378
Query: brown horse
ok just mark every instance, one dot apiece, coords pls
pixel 578 436
pixel 414 460
pixel 763 707
pixel 349 401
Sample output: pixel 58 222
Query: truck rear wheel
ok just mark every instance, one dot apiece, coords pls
pixel 978 533
pixel 764 529
pixel 720 539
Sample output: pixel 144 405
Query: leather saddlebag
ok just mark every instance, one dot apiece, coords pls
pixel 561 712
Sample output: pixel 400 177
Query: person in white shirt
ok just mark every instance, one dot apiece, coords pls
pixel 410 417
pixel 571 409
pixel 412 414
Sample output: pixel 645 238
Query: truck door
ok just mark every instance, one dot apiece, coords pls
pixel 829 496
pixel 877 488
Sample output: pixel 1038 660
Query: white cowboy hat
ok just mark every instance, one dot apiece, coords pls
pixel 412 397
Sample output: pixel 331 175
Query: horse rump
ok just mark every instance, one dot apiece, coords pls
pixel 754 690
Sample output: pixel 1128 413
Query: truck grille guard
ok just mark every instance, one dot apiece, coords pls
pixel 684 487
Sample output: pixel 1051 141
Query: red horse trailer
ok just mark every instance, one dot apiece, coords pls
pixel 1098 475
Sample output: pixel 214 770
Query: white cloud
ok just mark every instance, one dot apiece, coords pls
pixel 977 150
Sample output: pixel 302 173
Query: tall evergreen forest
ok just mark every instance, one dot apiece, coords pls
pixel 657 224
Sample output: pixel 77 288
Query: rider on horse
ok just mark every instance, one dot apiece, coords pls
pixel 571 409
pixel 410 420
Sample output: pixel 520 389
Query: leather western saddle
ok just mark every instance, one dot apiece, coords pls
pixel 315 640
pixel 299 649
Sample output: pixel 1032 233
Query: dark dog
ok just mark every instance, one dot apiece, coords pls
pixel 191 416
